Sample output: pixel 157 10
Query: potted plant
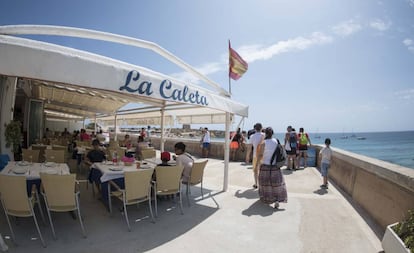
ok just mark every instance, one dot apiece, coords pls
pixel 13 134
pixel 399 237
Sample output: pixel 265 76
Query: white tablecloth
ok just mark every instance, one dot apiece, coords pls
pixel 110 171
pixel 32 170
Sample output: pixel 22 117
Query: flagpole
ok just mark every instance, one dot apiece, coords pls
pixel 229 85
pixel 229 70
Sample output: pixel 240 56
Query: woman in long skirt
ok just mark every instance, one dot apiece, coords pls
pixel 272 187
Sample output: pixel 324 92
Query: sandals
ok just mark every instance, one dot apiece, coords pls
pixel 255 186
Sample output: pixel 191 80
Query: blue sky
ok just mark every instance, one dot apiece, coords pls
pixel 327 66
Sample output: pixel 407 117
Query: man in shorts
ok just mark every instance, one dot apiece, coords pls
pixel 291 148
pixel 303 146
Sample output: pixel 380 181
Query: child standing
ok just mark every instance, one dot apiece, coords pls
pixel 326 154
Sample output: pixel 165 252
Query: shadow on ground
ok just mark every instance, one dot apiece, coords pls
pixel 260 208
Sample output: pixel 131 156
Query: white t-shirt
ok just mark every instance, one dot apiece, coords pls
pixel 100 137
pixel 326 153
pixel 186 161
pixel 269 149
pixel 255 140
pixel 206 137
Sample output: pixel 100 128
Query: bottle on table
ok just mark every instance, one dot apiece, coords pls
pixel 115 158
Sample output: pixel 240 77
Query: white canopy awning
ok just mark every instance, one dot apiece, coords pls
pixel 83 84
pixel 50 65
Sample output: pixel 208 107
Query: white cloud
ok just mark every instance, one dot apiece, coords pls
pixel 347 28
pixel 409 43
pixel 252 53
pixel 259 52
pixel 405 94
pixel 411 2
pixel 380 25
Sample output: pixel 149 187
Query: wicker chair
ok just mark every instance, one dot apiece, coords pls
pixel 137 190
pixel 15 202
pixel 168 183
pixel 196 177
pixel 31 155
pixel 60 196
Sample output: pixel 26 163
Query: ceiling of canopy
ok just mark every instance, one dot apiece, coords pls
pixel 72 102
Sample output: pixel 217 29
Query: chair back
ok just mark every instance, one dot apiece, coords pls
pixel 4 160
pixel 83 143
pixel 63 148
pixel 168 177
pixel 197 172
pixel 59 147
pixel 13 193
pixel 137 184
pixel 54 142
pixel 41 152
pixel 59 191
pixel 31 155
pixel 57 156
pixel 113 144
pixel 148 153
pixel 120 152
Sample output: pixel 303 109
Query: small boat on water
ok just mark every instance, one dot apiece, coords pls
pixel 361 138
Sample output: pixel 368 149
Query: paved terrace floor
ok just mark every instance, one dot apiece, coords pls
pixel 314 220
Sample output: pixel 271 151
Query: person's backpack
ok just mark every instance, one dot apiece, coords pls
pixel 279 155
pixel 303 140
pixel 292 140
pixel 250 132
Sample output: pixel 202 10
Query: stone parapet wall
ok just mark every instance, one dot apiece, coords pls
pixel 193 147
pixel 384 190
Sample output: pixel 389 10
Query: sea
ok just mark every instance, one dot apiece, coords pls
pixel 393 147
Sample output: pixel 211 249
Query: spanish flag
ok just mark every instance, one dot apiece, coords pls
pixel 237 66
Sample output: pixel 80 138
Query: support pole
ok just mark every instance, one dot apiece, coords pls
pixel 162 129
pixel 116 127
pixel 226 152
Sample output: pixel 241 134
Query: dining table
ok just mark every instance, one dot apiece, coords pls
pixel 32 171
pixel 103 172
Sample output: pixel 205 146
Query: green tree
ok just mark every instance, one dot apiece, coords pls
pixel 13 134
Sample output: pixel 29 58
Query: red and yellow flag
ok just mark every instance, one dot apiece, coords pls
pixel 237 66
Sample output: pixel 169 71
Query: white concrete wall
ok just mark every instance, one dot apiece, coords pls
pixel 59 126
pixel 7 98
